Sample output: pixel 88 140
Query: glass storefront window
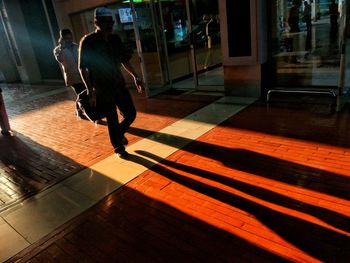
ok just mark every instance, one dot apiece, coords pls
pixel 306 43
pixel 205 38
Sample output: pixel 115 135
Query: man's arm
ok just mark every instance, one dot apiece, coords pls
pixel 57 52
pixel 85 76
pixel 125 59
pixel 138 82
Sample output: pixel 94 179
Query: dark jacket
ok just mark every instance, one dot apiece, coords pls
pixel 103 59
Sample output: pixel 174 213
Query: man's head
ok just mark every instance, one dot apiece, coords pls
pixel 66 35
pixel 104 19
pixel 305 3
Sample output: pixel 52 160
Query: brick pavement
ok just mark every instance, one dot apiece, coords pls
pixel 51 143
pixel 268 185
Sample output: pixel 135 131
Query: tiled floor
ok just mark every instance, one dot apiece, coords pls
pixel 269 184
pixel 51 144
pixel 37 217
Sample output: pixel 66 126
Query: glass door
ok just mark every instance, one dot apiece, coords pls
pixel 178 45
pixel 207 43
pixel 192 40
pixel 150 43
pixel 176 28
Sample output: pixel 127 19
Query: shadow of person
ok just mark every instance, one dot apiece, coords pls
pixel 334 219
pixel 260 164
pixel 318 241
pixel 132 226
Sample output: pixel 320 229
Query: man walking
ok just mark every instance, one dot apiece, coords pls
pixel 101 56
pixel 66 53
pixel 333 15
pixel 307 16
pixel 293 18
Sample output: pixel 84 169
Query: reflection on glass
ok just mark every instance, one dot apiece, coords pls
pixel 306 44
pixel 206 27
pixel 125 15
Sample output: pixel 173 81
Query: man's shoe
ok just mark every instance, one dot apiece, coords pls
pixel 100 122
pixel 123 154
pixel 125 141
pixel 80 114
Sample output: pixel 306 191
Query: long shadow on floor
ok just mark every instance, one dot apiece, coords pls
pixel 173 236
pixel 151 232
pixel 129 226
pixel 318 241
pixel 263 165
pixel 334 219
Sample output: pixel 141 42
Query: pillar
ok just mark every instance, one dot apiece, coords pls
pixel 244 45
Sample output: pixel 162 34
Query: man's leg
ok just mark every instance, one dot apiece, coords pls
pixel 115 133
pixel 82 97
pixel 127 109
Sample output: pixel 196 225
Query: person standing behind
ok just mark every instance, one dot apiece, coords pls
pixel 333 15
pixel 307 16
pixel 101 55
pixel 66 53
pixel 4 120
pixel 293 19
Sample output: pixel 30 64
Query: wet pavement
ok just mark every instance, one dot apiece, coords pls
pixel 269 184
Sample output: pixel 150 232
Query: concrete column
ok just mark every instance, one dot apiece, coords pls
pixel 244 45
pixel 243 80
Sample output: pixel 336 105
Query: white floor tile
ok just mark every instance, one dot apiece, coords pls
pixel 92 184
pixel 10 241
pixel 39 216
pixel 173 130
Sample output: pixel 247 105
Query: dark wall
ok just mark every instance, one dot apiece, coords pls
pixel 238 28
pixel 7 63
pixel 52 17
pixel 40 37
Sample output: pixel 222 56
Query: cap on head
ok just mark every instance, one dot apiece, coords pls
pixel 102 12
pixel 65 32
